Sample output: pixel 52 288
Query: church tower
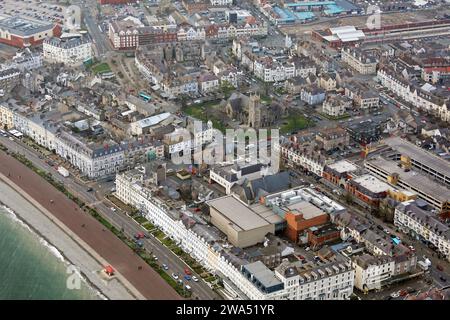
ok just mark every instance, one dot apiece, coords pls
pixel 254 111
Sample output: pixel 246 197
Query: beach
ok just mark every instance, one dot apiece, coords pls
pixel 32 268
pixel 65 249
pixel 85 231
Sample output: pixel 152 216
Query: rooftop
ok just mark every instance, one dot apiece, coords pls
pixel 413 178
pixel 153 120
pixel 263 274
pixel 418 154
pixel 372 183
pixel 23 26
pixel 425 217
pixel 238 213
pixel 343 166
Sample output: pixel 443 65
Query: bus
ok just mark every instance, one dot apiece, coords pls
pixel 145 96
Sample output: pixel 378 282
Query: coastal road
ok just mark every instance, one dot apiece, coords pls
pixel 99 239
pixel 119 219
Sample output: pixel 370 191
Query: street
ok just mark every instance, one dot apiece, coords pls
pixel 421 249
pixel 119 219
pixel 99 39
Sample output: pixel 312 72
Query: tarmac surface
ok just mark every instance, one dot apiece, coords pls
pixel 92 232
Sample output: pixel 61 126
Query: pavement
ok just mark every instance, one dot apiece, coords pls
pixel 117 218
pixel 74 254
pixel 146 281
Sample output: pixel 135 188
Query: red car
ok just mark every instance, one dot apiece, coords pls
pixel 187 271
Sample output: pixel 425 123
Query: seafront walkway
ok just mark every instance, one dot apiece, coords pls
pixel 101 243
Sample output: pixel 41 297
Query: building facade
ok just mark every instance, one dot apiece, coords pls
pixel 71 51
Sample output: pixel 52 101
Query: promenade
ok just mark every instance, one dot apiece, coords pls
pixel 90 233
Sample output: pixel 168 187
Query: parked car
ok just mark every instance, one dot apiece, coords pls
pixel 155 257
pixel 187 271
pixel 165 266
pixel 139 235
pixel 90 189
pixel 194 278
pixel 188 288
pixel 175 276
pixel 187 277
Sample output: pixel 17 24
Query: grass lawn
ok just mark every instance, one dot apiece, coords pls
pixel 199 111
pixel 344 116
pixel 227 89
pixel 140 219
pixel 295 122
pixel 159 234
pixel 168 242
pixel 101 68
pixel 148 226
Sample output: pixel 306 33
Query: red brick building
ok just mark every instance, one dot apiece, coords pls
pixel 339 172
pixel 302 218
pixel 22 32
pixel 127 34
pixel 317 236
pixel 368 190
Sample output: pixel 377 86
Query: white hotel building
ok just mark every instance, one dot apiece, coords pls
pixel 70 50
pixel 94 161
pixel 333 281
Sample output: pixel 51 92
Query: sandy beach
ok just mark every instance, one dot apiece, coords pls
pixel 71 251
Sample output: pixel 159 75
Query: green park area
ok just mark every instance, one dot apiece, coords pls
pixel 205 111
pixel 101 68
pixel 295 122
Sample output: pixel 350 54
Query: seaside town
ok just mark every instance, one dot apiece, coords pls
pixel 348 197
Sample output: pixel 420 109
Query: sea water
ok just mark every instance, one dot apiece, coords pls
pixel 30 267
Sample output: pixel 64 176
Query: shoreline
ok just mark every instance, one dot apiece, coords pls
pixel 45 242
pixel 139 278
pixel 71 251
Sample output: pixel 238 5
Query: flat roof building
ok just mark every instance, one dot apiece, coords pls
pixel 19 31
pixel 421 159
pixel 262 277
pixel 436 194
pixel 243 226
